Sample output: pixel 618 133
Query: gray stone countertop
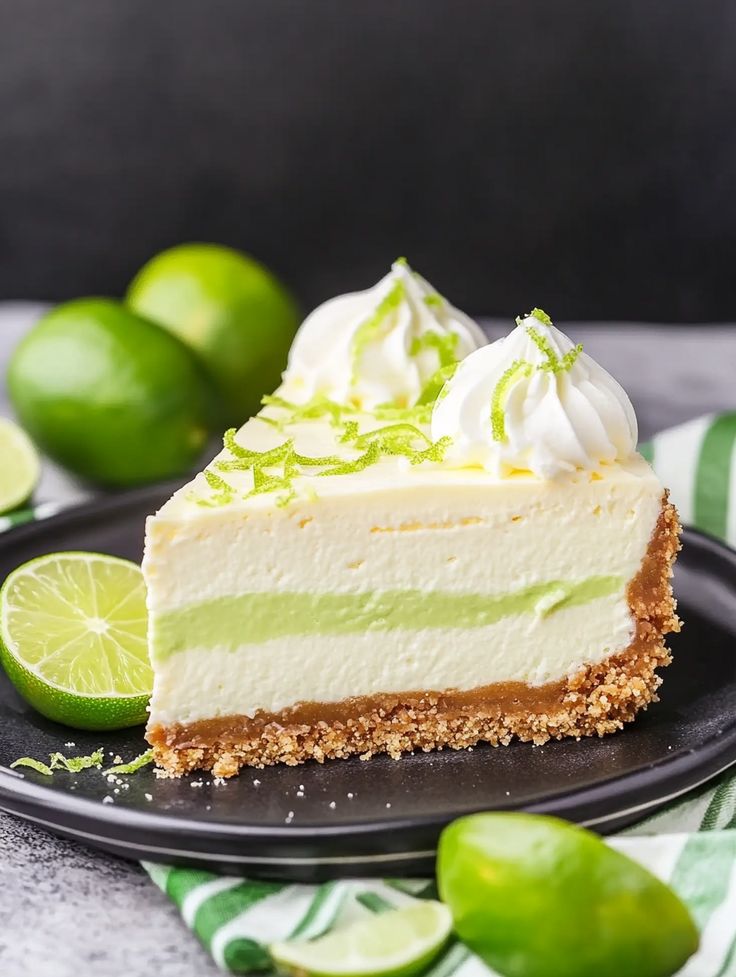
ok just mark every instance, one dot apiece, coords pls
pixel 69 911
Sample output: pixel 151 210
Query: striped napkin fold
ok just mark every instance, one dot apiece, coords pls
pixel 691 844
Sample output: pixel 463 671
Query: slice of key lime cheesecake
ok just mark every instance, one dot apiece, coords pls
pixel 421 541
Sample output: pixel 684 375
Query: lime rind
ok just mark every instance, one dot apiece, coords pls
pixel 20 466
pixel 396 943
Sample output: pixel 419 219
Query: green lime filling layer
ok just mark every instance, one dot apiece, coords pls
pixel 253 618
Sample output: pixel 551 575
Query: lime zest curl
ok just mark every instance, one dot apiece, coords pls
pixel 517 370
pixel 222 492
pixel 418 414
pixel 57 761
pixel 401 437
pixel 402 434
pixel 318 406
pixel 569 359
pixel 433 388
pixel 74 764
pixel 552 362
pixel 542 316
pixel 371 328
pixel 444 343
pixel 133 766
pixel 38 765
pixel 370 457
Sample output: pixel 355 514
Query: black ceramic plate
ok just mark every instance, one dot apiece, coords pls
pixel 383 817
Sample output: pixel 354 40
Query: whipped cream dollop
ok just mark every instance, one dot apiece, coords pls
pixel 533 401
pixel 383 345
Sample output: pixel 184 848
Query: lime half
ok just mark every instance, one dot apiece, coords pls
pixel 73 639
pixel 398 943
pixel 19 466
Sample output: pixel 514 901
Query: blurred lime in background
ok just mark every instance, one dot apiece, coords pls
pixel 110 395
pixel 19 466
pixel 237 317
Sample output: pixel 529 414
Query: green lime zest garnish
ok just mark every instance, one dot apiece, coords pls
pixel 37 765
pixel 444 343
pixel 434 301
pixel 57 761
pixel 370 457
pixel 245 458
pixel 223 493
pixel 418 414
pixel 352 429
pixel 433 452
pixel 539 314
pixel 370 329
pixel 317 406
pixel 568 360
pixel 400 438
pixel 542 316
pixel 434 386
pixel 517 370
pixel 394 432
pixel 133 766
pixel 552 362
pixel 74 764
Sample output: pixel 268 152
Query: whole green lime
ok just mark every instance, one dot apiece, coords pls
pixel 109 394
pixel 534 896
pixel 230 310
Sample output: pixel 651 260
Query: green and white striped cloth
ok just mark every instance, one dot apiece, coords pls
pixel 691 844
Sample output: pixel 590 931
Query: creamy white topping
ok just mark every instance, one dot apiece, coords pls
pixel 383 345
pixel 534 402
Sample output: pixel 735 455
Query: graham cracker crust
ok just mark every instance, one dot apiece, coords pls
pixel 596 701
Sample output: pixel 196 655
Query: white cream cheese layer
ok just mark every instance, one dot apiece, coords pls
pixel 460 531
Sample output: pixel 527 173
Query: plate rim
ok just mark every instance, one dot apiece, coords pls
pixel 27 798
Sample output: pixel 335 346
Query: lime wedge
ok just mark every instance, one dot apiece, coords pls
pixel 19 466
pixel 398 943
pixel 73 639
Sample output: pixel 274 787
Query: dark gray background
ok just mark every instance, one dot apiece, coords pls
pixel 579 155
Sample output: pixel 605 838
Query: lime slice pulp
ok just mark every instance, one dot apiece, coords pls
pixel 398 943
pixel 73 639
pixel 19 466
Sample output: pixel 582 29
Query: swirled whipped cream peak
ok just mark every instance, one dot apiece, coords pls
pixel 533 401
pixel 395 343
